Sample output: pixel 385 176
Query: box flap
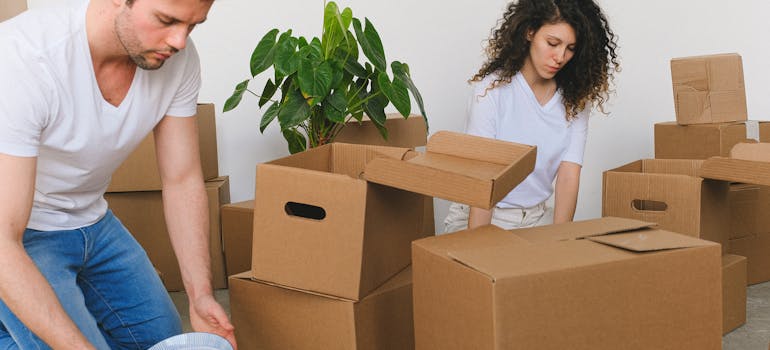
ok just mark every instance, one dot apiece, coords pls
pixel 462 168
pixel 650 240
pixel 750 163
pixel 581 229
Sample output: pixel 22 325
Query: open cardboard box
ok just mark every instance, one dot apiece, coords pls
pixel 748 163
pixel 319 226
pixel 402 132
pixel 608 284
pixel 702 141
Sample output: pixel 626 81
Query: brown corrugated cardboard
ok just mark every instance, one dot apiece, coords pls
pixel 10 8
pixel 749 205
pixel 494 289
pixel 319 227
pixel 142 214
pixel 755 248
pixel 702 141
pixel 668 192
pixel 237 230
pixel 457 167
pixel 733 292
pixel 139 172
pixel 708 89
pixel 748 163
pixel 408 133
pixel 268 317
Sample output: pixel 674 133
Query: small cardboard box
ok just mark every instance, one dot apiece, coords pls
pixel 320 227
pixel 733 292
pixel 702 141
pixel 755 248
pixel 668 192
pixel 461 168
pixel 402 132
pixel 602 284
pixel 11 8
pixel 142 214
pixel 709 89
pixel 237 230
pixel 268 317
pixel 139 172
pixel 748 163
pixel 749 206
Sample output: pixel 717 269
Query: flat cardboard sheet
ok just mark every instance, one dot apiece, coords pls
pixel 749 163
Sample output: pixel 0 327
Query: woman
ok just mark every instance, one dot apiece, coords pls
pixel 549 62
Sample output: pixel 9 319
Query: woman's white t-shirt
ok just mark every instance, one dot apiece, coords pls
pixel 510 112
pixel 51 108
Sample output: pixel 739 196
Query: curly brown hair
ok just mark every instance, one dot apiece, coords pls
pixel 586 78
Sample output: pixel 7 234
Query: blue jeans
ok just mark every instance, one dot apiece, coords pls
pixel 106 284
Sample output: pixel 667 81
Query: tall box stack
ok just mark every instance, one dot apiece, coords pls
pixel 134 195
pixel 11 8
pixel 608 284
pixel 333 228
pixel 238 218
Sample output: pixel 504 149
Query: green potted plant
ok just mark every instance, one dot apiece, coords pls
pixel 325 83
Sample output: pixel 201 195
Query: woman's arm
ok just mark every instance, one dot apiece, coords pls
pixel 479 217
pixel 566 193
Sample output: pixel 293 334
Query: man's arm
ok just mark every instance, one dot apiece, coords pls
pixel 566 193
pixel 22 287
pixel 186 210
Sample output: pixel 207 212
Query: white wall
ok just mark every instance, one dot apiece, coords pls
pixel 442 42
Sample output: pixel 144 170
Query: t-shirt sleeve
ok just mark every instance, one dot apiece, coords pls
pixel 482 112
pixel 25 100
pixel 576 148
pixel 185 100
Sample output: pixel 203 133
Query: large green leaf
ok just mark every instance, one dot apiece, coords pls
pixel 269 115
pixel 335 106
pixel 295 139
pixel 370 43
pixel 294 111
pixel 237 95
pixel 351 66
pixel 315 80
pixel 396 92
pixel 262 57
pixel 286 56
pixel 335 28
pixel 268 92
pixel 401 72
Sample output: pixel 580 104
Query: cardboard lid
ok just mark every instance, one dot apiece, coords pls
pixel 649 240
pixel 462 168
pixel 748 163
pixel 581 229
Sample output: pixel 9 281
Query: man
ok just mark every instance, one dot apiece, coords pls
pixel 80 89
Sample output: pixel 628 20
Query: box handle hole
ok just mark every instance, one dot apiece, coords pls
pixel 647 205
pixel 306 211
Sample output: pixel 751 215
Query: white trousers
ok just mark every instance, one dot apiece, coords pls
pixel 506 218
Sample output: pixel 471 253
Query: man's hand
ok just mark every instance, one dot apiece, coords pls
pixel 206 315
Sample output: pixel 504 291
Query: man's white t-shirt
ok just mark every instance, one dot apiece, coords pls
pixel 511 112
pixel 51 108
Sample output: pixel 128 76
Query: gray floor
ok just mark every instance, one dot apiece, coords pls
pixel 754 335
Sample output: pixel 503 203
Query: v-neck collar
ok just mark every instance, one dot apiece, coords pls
pixel 531 94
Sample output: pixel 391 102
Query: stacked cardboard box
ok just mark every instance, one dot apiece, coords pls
pixel 332 232
pixel 238 218
pixel 711 118
pixel 134 196
pixel 10 8
pixel 601 284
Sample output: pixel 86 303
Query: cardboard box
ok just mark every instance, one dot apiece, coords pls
pixel 755 248
pixel 748 163
pixel 408 133
pixel 749 205
pixel 11 8
pixel 602 284
pixel 360 237
pixel 709 89
pixel 139 172
pixel 237 230
pixel 702 141
pixel 668 192
pixel 461 168
pixel 268 317
pixel 142 214
pixel 733 292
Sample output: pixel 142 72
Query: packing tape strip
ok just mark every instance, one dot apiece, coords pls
pixel 752 130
